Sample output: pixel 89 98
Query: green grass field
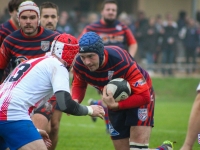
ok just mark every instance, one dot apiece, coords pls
pixel 174 99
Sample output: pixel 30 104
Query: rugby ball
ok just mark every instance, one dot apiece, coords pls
pixel 120 89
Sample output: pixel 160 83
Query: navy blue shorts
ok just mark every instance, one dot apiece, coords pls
pixel 15 134
pixel 122 120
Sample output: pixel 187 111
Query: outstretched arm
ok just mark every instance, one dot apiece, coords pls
pixel 67 105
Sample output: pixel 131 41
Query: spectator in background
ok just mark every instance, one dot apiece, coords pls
pixel 140 25
pixel 198 16
pixel 170 36
pixel 181 22
pixel 85 20
pixel 125 19
pixel 160 30
pixel 5 15
pixel 63 25
pixel 150 43
pixel 92 18
pixel 191 43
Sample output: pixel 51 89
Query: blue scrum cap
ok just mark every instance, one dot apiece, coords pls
pixel 91 42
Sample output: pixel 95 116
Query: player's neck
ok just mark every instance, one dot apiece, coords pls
pixel 16 24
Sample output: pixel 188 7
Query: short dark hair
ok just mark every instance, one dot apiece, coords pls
pixel 13 5
pixel 49 5
pixel 108 1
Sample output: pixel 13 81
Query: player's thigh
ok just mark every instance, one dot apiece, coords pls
pixel 140 134
pixel 55 120
pixel 40 121
pixel 35 145
pixel 121 144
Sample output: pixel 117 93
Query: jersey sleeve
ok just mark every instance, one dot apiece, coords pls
pixel 136 80
pixel 79 87
pixel 4 56
pixel 129 36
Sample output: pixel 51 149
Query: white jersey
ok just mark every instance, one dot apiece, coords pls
pixel 30 85
pixel 198 87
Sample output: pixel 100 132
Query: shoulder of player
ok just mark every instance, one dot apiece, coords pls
pixel 5 24
pixel 52 62
pixel 115 53
pixel 112 49
pixel 4 30
pixel 16 34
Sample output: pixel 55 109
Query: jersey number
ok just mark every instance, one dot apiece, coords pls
pixel 21 69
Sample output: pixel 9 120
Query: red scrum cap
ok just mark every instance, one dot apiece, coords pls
pixel 65 46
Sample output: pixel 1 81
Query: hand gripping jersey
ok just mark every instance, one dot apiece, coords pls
pixel 30 85
pixel 117 34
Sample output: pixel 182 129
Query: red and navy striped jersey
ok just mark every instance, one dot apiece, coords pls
pixel 5 29
pixel 117 34
pixel 19 47
pixel 118 64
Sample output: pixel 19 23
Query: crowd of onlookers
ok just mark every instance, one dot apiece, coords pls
pixel 164 42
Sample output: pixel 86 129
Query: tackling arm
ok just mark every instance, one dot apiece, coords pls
pixel 67 105
pixel 79 87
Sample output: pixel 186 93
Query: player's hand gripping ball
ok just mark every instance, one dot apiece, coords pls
pixel 120 88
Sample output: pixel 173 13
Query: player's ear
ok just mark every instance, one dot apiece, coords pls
pixel 38 22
